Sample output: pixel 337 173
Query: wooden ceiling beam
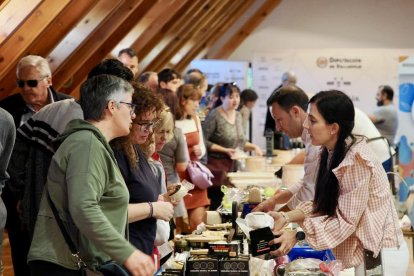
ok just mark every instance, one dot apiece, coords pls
pixel 265 9
pixel 99 44
pixel 218 28
pixel 12 14
pixel 227 17
pixel 16 45
pixel 160 34
pixel 153 21
pixel 80 33
pixel 53 33
pixel 175 26
pixel 194 32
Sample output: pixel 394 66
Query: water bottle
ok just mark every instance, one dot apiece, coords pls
pixel 269 135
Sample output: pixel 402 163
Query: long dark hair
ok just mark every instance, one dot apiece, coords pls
pixel 335 107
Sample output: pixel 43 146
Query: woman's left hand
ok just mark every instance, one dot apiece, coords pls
pixel 166 198
pixel 280 221
pixel 197 151
pixel 286 241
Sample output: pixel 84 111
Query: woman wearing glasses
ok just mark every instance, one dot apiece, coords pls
pixel 224 134
pixel 87 189
pixel 142 184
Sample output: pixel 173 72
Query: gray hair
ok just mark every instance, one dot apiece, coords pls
pixel 36 61
pixel 97 91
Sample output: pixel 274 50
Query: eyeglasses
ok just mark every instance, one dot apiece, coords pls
pixel 30 83
pixel 131 107
pixel 145 125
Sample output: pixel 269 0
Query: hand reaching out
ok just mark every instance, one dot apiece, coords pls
pixel 280 221
pixel 258 151
pixel 230 152
pixel 266 206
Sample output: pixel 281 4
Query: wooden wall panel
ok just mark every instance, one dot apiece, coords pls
pixel 100 43
pixel 53 33
pixel 12 13
pixel 246 29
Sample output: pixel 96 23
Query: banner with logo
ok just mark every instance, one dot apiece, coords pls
pixel 357 72
pixel 406 129
pixel 223 71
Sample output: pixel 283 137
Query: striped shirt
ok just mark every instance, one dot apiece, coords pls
pixel 365 217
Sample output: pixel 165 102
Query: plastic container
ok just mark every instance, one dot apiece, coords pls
pixel 305 251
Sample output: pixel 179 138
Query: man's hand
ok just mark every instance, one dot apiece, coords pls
pixel 139 264
pixel 286 240
pixel 258 151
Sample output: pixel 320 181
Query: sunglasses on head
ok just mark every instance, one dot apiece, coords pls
pixel 225 85
pixel 30 83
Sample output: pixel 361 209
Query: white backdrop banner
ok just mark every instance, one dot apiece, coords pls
pixel 223 71
pixel 357 72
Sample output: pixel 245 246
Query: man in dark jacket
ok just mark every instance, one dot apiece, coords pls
pixel 34 78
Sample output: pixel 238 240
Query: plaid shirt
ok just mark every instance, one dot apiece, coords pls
pixel 365 216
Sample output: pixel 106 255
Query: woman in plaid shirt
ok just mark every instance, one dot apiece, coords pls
pixel 353 209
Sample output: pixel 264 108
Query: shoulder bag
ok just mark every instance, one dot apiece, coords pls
pixel 110 268
pixel 199 175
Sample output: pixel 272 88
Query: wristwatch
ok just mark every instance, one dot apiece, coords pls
pixel 300 236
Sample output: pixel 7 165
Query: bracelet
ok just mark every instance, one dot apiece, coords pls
pixel 151 210
pixel 287 219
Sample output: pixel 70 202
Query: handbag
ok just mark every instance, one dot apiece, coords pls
pixel 110 268
pixel 199 175
pixel 220 168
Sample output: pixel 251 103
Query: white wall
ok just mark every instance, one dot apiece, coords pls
pixel 327 24
pixel 332 24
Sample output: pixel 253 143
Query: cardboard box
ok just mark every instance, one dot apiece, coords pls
pixel 202 267
pixel 233 267
pixel 259 241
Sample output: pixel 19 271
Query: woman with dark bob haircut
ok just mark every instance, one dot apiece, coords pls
pixel 353 212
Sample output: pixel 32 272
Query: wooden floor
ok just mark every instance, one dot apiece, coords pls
pixel 7 261
pixel 8 267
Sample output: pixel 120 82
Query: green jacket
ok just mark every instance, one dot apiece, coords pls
pixel 88 190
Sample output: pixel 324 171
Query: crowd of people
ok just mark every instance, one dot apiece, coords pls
pixel 103 167
pixel 107 162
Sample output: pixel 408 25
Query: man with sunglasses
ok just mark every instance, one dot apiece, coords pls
pixel 34 78
pixel 33 151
